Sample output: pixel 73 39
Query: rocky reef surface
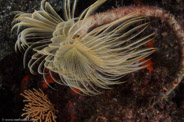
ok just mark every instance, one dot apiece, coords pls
pixel 142 98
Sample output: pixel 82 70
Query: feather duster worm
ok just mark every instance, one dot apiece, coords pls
pixel 90 51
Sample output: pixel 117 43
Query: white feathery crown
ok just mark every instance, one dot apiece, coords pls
pixel 81 60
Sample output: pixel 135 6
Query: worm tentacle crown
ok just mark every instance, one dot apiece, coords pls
pixel 87 61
